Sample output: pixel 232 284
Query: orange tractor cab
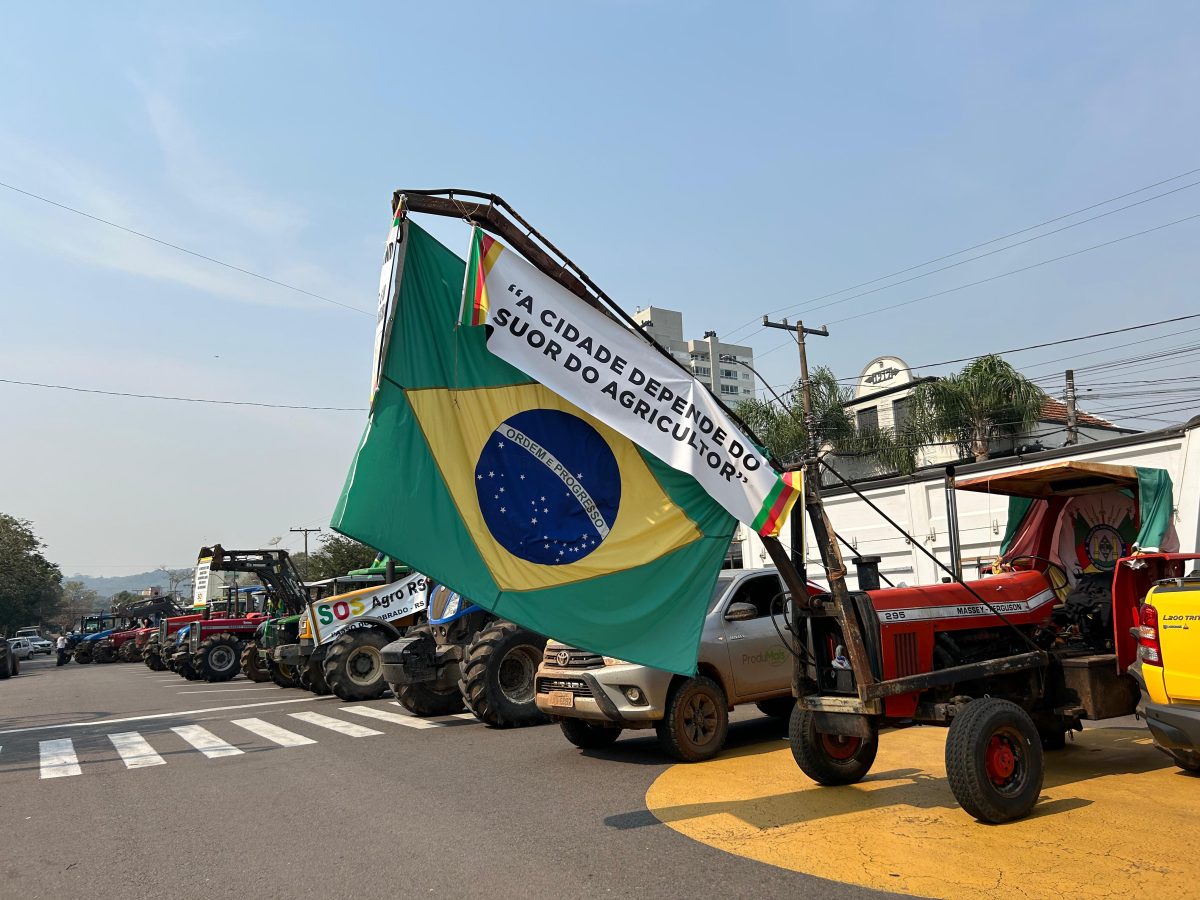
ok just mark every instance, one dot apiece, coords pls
pixel 1010 662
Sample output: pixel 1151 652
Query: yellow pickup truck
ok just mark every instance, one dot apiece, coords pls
pixel 1169 650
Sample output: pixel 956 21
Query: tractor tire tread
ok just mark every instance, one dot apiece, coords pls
pixel 475 681
pixel 337 658
pixel 969 732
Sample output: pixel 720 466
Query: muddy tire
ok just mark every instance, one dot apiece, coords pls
pixel 283 675
pixel 777 708
pixel 994 760
pixel 219 658
pixel 829 759
pixel 587 735
pixel 497 680
pixel 423 700
pixel 252 664
pixel 696 721
pixel 104 653
pixel 354 667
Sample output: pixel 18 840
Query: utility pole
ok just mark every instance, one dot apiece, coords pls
pixel 306 531
pixel 1072 416
pixel 714 377
pixel 823 534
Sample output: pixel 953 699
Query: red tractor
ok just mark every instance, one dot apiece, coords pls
pixel 1010 662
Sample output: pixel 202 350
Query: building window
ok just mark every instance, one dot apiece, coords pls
pixel 701 370
pixel 868 419
pixel 729 389
pixel 745 376
pixel 899 413
pixel 729 373
pixel 747 391
pixel 733 556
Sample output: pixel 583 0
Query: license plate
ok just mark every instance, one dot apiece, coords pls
pixel 562 699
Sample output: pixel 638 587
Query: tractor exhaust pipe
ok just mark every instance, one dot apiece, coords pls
pixel 952 525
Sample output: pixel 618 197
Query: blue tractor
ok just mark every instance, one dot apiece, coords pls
pixel 82 643
pixel 466 656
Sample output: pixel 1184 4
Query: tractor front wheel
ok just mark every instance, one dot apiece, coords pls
pixel 422 700
pixel 497 680
pixel 83 654
pixel 103 653
pixel 282 674
pixel 829 759
pixel 312 678
pixel 252 663
pixel 994 760
pixel 219 658
pixel 354 667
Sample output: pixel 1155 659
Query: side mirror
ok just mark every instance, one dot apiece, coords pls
pixel 740 612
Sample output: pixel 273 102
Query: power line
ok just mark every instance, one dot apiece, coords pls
pixel 983 244
pixel 80 390
pixel 198 255
pixel 1084 337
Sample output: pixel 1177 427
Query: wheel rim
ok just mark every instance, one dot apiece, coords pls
pixel 363 665
pixel 699 719
pixel 220 658
pixel 1005 762
pixel 840 747
pixel 515 674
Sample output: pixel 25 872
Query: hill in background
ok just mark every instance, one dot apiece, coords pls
pixel 106 586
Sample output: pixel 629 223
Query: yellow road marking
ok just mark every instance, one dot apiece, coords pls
pixel 1115 818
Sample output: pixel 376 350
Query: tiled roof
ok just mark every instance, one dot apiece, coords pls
pixel 1056 411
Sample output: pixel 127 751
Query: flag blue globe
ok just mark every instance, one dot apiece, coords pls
pixel 549 487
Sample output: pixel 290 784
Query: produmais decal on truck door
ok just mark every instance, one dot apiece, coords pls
pixel 332 616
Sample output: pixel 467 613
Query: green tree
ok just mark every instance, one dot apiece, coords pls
pixel 783 432
pixel 337 555
pixel 30 585
pixel 988 399
pixel 78 600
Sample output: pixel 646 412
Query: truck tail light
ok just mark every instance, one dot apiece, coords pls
pixel 1149 647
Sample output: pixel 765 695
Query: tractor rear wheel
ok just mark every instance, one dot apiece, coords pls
pixel 587 735
pixel 498 669
pixel 829 759
pixel 422 700
pixel 128 652
pixel 219 658
pixel 252 663
pixel 994 760
pixel 354 667
pixel 282 674
pixel 696 721
pixel 8 666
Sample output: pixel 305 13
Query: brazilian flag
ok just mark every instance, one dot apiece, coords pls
pixel 491 484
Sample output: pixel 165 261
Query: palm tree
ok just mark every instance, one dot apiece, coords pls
pixel 783 432
pixel 986 400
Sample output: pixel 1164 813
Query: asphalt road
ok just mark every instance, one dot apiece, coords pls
pixel 236 789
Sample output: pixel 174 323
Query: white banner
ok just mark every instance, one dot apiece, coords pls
pixel 200 583
pixel 615 375
pixel 393 255
pixel 332 616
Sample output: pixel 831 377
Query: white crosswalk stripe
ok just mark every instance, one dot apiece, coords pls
pixel 384 716
pixel 58 758
pixel 338 725
pixel 280 736
pixel 205 741
pixel 135 750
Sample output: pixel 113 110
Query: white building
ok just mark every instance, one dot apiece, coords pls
pixel 726 378
pixel 918 503
pixel 881 400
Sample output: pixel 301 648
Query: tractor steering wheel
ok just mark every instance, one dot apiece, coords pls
pixel 1055 574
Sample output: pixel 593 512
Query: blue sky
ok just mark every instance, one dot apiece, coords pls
pixel 722 159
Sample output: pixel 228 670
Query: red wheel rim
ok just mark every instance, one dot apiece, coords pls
pixel 840 746
pixel 1003 759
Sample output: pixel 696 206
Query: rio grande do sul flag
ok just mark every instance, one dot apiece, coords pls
pixel 613 374
pixel 493 485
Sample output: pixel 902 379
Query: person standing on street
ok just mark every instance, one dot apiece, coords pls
pixel 61 646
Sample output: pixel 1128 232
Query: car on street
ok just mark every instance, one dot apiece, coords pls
pixel 20 648
pixel 41 645
pixel 742 659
